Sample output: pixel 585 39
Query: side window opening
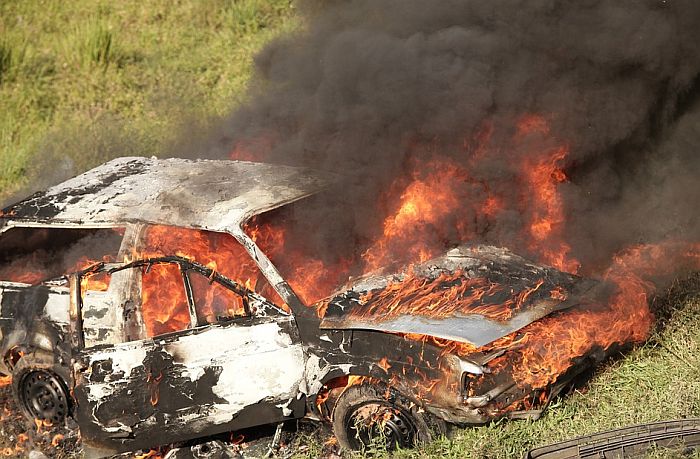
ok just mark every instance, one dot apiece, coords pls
pixel 164 305
pixel 219 251
pixel 169 297
pixel 97 282
pixel 214 302
pixel 159 288
pixel 31 255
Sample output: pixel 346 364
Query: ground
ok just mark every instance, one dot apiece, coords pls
pixel 82 80
pixel 18 436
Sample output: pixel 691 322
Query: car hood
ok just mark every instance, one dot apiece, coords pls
pixel 472 294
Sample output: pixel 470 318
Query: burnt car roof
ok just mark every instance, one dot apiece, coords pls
pixel 203 194
pixel 477 278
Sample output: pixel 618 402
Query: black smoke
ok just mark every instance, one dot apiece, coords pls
pixel 366 87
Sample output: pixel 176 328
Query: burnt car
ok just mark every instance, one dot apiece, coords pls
pixel 148 350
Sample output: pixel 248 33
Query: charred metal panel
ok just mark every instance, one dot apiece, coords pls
pixel 193 383
pixel 531 291
pixel 419 370
pixel 99 319
pixel 36 319
pixel 204 194
pixel 104 313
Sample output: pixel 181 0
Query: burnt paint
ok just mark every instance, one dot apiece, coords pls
pixel 42 207
pixel 154 391
pixel 23 317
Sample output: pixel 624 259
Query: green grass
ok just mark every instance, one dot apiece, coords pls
pixel 85 80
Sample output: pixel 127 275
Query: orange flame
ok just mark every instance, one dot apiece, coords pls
pixel 152 454
pixel 56 440
pixel 430 197
pixel 447 294
pixel 164 301
pixel 42 424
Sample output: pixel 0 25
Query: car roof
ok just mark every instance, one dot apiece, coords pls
pixel 213 195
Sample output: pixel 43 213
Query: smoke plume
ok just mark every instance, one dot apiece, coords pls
pixel 369 88
pixel 384 92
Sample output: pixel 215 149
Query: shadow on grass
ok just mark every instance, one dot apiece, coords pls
pixel 665 305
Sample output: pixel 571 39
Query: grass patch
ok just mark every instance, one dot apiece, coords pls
pixel 88 80
pixel 92 46
pixel 5 60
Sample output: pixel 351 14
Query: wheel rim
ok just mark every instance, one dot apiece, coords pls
pixel 43 396
pixel 375 423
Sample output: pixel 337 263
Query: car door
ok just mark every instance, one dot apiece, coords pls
pixel 212 357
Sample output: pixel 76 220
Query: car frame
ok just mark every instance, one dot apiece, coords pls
pixel 129 392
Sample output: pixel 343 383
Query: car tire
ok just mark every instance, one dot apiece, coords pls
pixel 40 390
pixel 367 415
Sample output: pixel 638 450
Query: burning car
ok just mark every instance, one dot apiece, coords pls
pixel 145 346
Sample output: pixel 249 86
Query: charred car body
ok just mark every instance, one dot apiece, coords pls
pixel 85 344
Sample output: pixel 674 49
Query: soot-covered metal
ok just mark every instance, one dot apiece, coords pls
pixel 129 389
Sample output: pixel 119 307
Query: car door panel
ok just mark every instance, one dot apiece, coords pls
pixel 226 375
pixel 190 383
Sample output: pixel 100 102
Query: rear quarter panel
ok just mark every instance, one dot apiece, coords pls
pixel 33 318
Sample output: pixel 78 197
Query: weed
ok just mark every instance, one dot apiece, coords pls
pixel 5 59
pixel 98 45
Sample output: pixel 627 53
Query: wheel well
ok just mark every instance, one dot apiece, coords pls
pixel 13 355
pixel 386 399
pixel 325 399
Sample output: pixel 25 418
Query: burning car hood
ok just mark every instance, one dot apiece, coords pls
pixel 472 294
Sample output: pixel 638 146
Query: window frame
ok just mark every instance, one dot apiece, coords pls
pixel 223 282
pixel 184 266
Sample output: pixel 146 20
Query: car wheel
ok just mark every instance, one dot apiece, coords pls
pixel 40 392
pixel 372 415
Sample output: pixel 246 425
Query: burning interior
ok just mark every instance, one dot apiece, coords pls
pixel 30 255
